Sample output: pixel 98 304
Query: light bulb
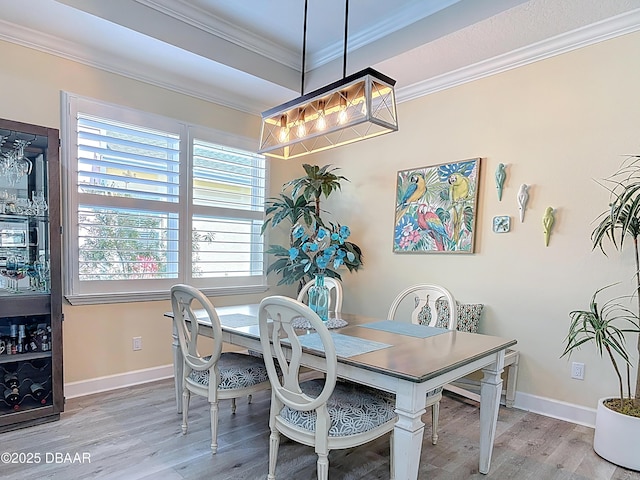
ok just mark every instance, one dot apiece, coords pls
pixel 342 114
pixel 363 109
pixel 302 128
pixel 283 135
pixel 321 123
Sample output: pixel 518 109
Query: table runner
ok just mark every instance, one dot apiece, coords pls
pixel 403 328
pixel 346 346
pixel 238 320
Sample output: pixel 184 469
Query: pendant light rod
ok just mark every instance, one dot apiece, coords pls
pixel 304 46
pixel 346 23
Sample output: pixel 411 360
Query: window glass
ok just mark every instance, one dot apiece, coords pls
pixel 151 202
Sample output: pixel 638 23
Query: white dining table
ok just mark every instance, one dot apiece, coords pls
pixel 408 366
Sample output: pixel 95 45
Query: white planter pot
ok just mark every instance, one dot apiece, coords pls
pixel 616 437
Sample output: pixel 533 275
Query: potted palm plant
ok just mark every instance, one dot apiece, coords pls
pixel 605 325
pixel 298 205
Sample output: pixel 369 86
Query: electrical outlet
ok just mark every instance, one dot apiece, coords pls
pixel 577 371
pixel 137 343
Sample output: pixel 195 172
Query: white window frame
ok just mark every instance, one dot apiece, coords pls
pixel 120 291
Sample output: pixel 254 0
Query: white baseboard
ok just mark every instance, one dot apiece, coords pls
pixel 556 409
pixel 113 382
pixel 533 403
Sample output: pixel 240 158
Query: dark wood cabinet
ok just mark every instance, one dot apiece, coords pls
pixel 31 375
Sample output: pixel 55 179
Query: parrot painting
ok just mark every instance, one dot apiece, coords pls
pixel 458 192
pixel 432 224
pixel 415 191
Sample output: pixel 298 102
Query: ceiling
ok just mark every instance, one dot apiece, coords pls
pixel 247 54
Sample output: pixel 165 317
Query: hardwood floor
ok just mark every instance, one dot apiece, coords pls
pixel 135 433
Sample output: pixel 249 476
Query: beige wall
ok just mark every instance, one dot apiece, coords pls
pixel 558 124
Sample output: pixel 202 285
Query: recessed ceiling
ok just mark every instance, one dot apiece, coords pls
pixel 248 54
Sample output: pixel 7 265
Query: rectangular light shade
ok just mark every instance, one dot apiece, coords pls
pixel 362 105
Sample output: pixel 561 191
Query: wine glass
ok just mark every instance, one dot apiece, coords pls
pixel 11 272
pixel 39 202
pixel 43 270
pixel 34 277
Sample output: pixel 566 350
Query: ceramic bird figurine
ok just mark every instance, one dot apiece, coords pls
pixel 523 198
pixel 501 175
pixel 547 224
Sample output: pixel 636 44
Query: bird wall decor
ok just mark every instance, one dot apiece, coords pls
pixel 547 223
pixel 501 176
pixel 523 199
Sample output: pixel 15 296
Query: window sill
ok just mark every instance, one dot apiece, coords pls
pixel 127 297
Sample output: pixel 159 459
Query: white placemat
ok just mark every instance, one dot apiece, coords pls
pixel 238 320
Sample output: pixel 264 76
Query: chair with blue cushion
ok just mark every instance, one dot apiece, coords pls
pixel 234 374
pixel 321 413
pixel 420 304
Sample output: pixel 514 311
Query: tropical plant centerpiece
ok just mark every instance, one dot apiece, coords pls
pixel 605 325
pixel 315 246
pixel 318 248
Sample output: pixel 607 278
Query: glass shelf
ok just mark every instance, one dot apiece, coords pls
pixel 23 357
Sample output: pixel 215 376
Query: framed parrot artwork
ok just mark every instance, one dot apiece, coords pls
pixel 436 208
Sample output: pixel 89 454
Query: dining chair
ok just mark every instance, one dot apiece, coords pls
pixel 335 293
pixel 218 375
pixel 321 413
pixel 423 302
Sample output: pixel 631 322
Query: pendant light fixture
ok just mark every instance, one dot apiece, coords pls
pixel 359 106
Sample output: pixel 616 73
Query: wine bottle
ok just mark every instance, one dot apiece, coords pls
pixel 38 392
pixel 21 338
pixel 12 397
pixel 14 339
pixel 11 380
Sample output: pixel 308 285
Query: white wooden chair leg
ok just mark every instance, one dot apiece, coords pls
pixel 392 476
pixel 274 443
pixel 214 427
pixel 435 413
pixel 323 466
pixel 185 409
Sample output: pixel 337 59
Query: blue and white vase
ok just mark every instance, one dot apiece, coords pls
pixel 319 298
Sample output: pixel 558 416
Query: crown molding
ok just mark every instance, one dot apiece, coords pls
pixel 183 11
pixel 392 23
pixel 616 26
pixel 68 50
